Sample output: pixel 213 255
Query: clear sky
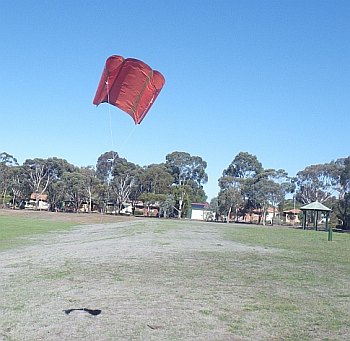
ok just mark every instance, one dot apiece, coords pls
pixel 268 77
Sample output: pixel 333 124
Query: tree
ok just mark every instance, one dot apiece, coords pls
pixel 317 183
pixel 189 176
pixel 104 172
pixel 271 189
pixel 344 176
pixel 167 206
pixel 244 166
pixel 16 181
pixel 266 193
pixel 237 183
pixel 156 179
pixel 7 163
pixel 105 165
pixel 91 183
pixel 38 176
pixel 75 187
pixel 57 167
pixel 41 173
pixel 124 176
pixel 8 160
pixel 230 197
pixel 343 204
pixel 214 206
pixel 286 184
pixel 246 186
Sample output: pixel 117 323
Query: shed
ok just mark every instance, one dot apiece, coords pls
pixel 199 211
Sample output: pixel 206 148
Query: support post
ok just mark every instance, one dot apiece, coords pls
pixel 329 228
pixel 316 218
pixel 304 220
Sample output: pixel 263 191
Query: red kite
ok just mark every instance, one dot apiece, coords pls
pixel 129 84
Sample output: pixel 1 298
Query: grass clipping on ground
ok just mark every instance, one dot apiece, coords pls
pixel 170 280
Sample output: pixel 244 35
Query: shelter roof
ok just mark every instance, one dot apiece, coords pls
pixel 315 206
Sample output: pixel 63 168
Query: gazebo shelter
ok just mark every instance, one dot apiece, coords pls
pixel 317 208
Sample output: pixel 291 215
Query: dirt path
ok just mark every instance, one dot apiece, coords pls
pixel 151 281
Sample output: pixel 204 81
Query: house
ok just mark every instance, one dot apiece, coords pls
pixel 125 208
pixel 256 216
pixel 38 201
pixel 291 217
pixel 37 196
pixel 147 209
pixel 137 209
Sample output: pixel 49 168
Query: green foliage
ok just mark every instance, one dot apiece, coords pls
pixel 156 179
pixel 185 168
pixel 13 229
pixel 105 165
pixel 317 182
pixel 342 208
pixel 246 186
pixel 244 166
pixel 189 176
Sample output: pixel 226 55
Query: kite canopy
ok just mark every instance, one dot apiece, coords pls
pixel 129 84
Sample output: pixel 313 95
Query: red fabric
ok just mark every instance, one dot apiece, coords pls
pixel 129 84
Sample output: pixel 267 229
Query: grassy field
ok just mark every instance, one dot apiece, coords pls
pixel 159 279
pixel 16 231
pixel 17 227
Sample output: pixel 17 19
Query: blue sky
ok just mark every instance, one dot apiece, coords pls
pixel 271 78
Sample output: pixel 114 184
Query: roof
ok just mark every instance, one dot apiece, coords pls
pixel 293 211
pixel 199 205
pixel 270 209
pixel 37 196
pixel 315 206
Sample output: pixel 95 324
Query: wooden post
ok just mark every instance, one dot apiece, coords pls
pixel 329 228
pixel 316 218
pixel 304 220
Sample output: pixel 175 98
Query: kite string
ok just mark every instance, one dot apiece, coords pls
pixel 110 121
pixel 110 115
pixel 126 140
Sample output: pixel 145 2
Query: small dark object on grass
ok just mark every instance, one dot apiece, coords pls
pixel 153 327
pixel 90 311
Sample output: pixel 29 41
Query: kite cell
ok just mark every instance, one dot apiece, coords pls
pixel 129 84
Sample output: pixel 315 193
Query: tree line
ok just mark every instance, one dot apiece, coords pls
pixel 173 185
pixel 245 186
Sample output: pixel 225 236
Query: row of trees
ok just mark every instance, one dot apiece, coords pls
pixel 245 185
pixel 174 184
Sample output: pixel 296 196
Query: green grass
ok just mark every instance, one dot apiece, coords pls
pixel 304 286
pixel 15 231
